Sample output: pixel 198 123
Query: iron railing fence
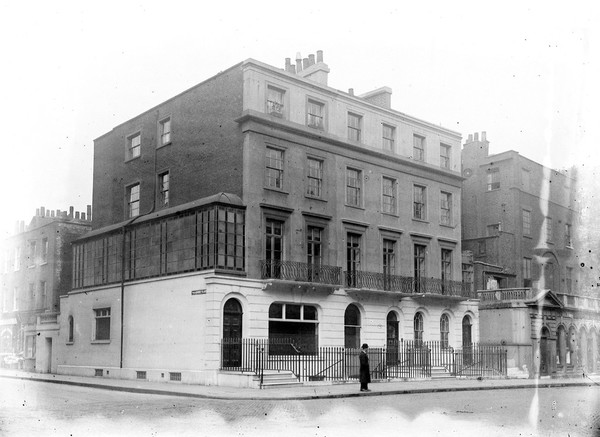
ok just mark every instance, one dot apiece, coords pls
pixel 406 359
pixel 299 271
pixel 480 360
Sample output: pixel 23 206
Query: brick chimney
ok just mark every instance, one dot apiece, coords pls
pixel 311 67
pixel 381 97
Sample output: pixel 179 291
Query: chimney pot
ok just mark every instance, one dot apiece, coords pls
pixel 288 64
pixel 319 55
pixel 37 212
pixel 71 209
pixel 483 136
pixel 52 213
pixel 305 63
pixel 351 91
pixel 293 69
pixel 42 211
pixel 476 136
pixel 77 215
pixel 89 212
pixel 470 139
pixel 83 216
pixel 311 59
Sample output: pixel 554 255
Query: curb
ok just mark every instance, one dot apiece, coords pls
pixel 301 397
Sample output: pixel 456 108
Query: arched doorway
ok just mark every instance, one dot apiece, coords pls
pixel 232 333
pixel 418 327
pixel 392 336
pixel 467 336
pixel 544 352
pixel 561 347
pixel 352 327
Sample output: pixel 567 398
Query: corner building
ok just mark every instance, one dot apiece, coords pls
pixel 264 204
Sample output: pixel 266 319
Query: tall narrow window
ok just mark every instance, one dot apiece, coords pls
pixel 389 262
pixel 493 179
pixel 273 247
pixel 389 134
pixel 419 211
pixel 134 146
pixel 568 241
pixel 314 250
pixel 44 295
pixel 548 229
pixel 445 155
pixel 527 272
pixel 315 177
pixel 354 127
pixel 569 280
pixel 275 101
pixel 44 248
pixel 352 258
pixel 165 131
pixel 163 187
pixel 418 329
pixel 526 222
pixel 418 148
pixel 446 269
pixel 71 330
pixel 133 200
pixel 274 168
pixel 353 187
pixel 102 326
pixel 315 114
pixel 444 330
pixel 389 195
pixel 32 253
pixel 419 266
pixel 446 208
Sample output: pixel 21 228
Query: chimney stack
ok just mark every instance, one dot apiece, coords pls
pixel 298 62
pixel 311 60
pixel 89 212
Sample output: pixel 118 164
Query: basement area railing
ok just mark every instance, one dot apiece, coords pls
pixel 404 359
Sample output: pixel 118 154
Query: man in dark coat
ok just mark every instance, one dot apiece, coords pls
pixel 365 372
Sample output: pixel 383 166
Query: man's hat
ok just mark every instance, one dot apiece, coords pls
pixel 365 346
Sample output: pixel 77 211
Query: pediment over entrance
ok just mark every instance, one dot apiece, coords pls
pixel 545 299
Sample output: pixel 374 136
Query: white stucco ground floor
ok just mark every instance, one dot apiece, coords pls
pixel 173 328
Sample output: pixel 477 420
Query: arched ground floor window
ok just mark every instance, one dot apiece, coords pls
pixel 352 327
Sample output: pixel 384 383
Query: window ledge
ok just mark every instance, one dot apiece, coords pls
pixel 70 343
pixel 164 145
pixel 447 226
pixel 528 236
pixel 43 263
pixel 320 199
pixel 419 220
pixel 390 214
pixel 100 341
pixel 276 190
pixel 354 206
pixel 132 158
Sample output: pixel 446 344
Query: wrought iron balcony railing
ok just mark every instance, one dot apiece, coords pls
pixel 304 272
pixel 297 271
pixel 406 284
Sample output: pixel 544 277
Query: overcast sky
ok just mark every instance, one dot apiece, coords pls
pixel 524 72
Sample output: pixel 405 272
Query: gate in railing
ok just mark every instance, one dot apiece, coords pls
pixel 400 359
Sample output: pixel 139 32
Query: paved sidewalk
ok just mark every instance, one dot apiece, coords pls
pixel 320 391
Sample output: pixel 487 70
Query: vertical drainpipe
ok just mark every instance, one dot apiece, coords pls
pixel 123 250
